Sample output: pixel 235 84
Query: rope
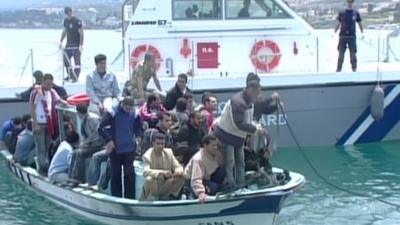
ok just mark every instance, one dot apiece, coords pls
pixel 329 183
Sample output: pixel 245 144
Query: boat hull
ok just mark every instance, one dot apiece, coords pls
pixel 320 114
pixel 259 207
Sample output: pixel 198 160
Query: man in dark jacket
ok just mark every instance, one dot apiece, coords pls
pixel 190 136
pixel 119 130
pixel 179 90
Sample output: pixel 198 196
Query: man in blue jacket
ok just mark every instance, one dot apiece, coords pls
pixel 119 129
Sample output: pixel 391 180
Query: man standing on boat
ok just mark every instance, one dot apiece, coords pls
pixel 141 75
pixel 73 30
pixel 346 21
pixel 44 116
pixel 101 84
pixel 119 130
pixel 233 126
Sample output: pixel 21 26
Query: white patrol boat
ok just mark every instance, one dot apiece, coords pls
pixel 259 204
pixel 217 42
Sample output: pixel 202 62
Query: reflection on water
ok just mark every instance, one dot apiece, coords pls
pixel 369 169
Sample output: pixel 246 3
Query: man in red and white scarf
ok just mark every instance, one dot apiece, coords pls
pixel 42 103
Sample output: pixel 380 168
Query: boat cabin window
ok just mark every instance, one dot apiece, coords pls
pixel 196 9
pixel 254 9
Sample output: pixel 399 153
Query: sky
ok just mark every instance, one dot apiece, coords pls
pixel 16 4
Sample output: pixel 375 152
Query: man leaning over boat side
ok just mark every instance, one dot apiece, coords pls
pixel 234 124
pixel 91 143
pixel 119 129
pixel 136 86
pixel 60 164
pixel 346 21
pixel 205 173
pixel 43 102
pixel 101 84
pixel 73 30
pixel 162 173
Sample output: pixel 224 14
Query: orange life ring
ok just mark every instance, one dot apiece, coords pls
pixel 77 99
pixel 138 54
pixel 265 55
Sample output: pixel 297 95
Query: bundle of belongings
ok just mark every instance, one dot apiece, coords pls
pixel 258 153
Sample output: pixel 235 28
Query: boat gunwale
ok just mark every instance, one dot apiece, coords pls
pixel 134 202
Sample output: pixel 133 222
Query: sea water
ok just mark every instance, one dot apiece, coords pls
pixel 371 169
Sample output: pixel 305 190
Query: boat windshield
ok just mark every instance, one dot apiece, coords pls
pixel 196 9
pixel 234 9
pixel 254 9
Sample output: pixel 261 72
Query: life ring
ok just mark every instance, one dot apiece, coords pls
pixel 77 99
pixel 265 55
pixel 138 54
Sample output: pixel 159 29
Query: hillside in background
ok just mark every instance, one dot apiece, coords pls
pixel 20 4
pixel 323 13
pixel 106 14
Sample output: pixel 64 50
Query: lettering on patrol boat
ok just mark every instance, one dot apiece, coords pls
pixel 272 120
pixel 150 22
pixel 144 22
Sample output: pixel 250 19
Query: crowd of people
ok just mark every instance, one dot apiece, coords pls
pixel 184 149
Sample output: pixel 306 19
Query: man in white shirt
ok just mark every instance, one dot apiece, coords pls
pixel 44 119
pixel 101 84
pixel 59 166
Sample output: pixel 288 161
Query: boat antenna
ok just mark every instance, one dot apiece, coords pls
pixel 29 57
pixel 326 181
pixel 278 129
pixel 378 72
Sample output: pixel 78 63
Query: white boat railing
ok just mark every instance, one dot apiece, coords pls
pixel 323 60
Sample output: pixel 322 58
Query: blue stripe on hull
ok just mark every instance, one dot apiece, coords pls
pixel 379 129
pixel 257 205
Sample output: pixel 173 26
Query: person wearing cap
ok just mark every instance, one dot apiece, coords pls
pixel 119 130
pixel 234 124
pixel 38 76
pixel 346 21
pixel 101 84
pixel 136 86
pixel 73 30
